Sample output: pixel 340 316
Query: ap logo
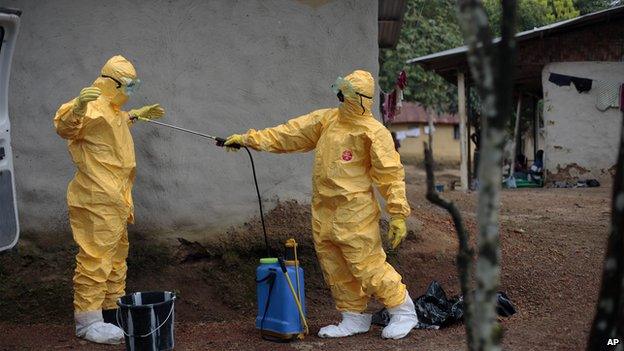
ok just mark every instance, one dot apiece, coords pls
pixel 613 342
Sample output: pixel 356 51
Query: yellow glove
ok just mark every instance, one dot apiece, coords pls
pixel 234 139
pixel 397 231
pixel 147 112
pixel 87 94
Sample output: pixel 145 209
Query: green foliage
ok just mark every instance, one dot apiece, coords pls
pixel 589 6
pixel 428 27
pixel 432 26
pixel 533 13
pixel 561 10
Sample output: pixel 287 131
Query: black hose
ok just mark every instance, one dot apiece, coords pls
pixel 253 170
pixel 221 143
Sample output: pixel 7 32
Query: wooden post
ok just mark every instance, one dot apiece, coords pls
pixel 535 127
pixel 517 136
pixel 468 133
pixel 514 152
pixel 463 138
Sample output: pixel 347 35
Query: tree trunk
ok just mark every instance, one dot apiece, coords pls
pixel 430 125
pixel 609 319
pixel 492 70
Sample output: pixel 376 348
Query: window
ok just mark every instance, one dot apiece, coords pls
pixel 456 132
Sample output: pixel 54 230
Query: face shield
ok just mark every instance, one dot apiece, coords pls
pixel 131 86
pixel 344 87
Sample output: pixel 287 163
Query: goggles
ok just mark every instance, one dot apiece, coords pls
pixel 129 86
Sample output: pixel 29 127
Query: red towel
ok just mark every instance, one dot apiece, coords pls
pixel 391 100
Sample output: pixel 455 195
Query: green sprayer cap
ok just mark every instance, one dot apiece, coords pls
pixel 268 260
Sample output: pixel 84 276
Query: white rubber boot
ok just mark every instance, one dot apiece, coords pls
pixel 402 320
pixel 90 326
pixel 351 324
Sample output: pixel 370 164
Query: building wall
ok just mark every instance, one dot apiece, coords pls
pixel 445 146
pixel 216 66
pixel 602 41
pixel 580 140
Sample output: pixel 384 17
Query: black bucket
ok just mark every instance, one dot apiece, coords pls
pixel 146 319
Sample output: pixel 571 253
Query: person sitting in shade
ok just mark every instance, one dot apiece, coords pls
pixel 536 172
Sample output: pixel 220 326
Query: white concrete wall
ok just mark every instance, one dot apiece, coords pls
pixel 578 135
pixel 218 66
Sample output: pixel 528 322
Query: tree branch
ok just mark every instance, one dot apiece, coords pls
pixel 465 253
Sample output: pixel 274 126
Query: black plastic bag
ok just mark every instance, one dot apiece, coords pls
pixel 435 310
pixel 504 307
pixel 592 183
pixel 381 317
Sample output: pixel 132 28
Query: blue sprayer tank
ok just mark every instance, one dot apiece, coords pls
pixel 278 315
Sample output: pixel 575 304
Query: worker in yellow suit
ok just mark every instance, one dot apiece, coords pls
pixel 354 152
pixel 99 196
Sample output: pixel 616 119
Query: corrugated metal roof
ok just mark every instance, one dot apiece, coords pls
pixel 391 10
pixel 415 113
pixel 529 34
pixel 390 19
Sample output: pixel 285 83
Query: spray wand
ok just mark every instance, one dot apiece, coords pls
pixel 221 143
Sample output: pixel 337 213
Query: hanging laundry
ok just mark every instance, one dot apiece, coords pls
pixel 413 132
pixel 401 84
pixel 402 80
pixel 607 94
pixel 581 84
pixel 389 106
pixel 560 79
pixel 392 104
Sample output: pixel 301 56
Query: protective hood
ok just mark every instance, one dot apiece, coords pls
pixel 364 86
pixel 116 69
pixel 119 67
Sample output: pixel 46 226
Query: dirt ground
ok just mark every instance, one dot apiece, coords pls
pixel 552 249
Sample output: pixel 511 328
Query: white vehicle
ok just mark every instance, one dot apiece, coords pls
pixel 9 225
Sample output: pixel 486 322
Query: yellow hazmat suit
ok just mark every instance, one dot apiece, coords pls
pixel 353 152
pixel 99 196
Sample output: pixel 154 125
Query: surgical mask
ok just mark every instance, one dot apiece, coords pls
pixel 340 96
pixel 129 86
